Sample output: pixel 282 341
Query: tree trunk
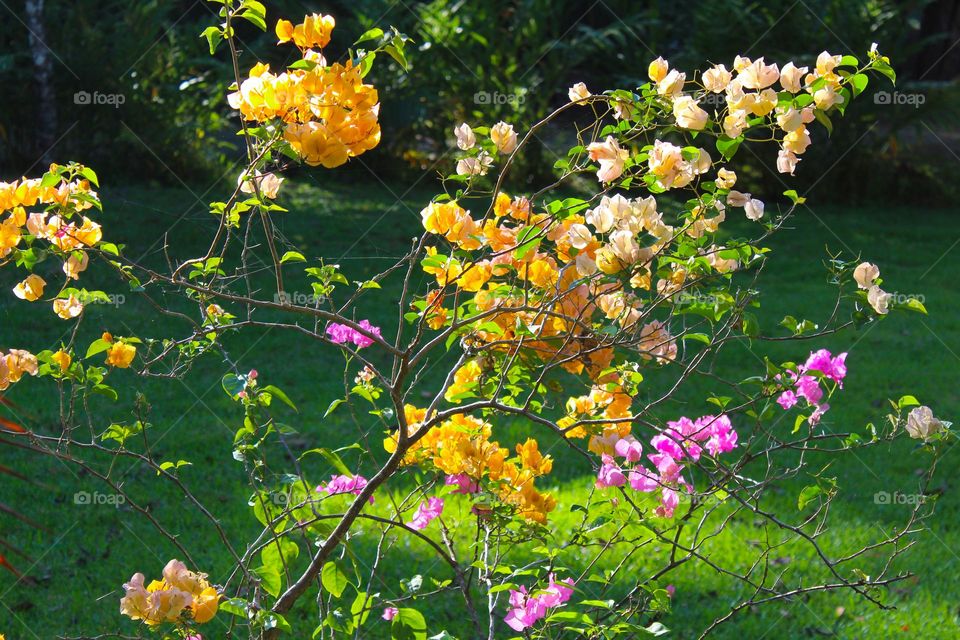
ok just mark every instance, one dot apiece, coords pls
pixel 43 76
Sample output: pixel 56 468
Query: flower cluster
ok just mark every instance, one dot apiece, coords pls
pixel 806 381
pixel 14 364
pixel 342 334
pixel 867 277
pixel 682 440
pixel 528 608
pixel 180 596
pixel 428 510
pixel 64 192
pixel 461 448
pixel 340 484
pixel 327 113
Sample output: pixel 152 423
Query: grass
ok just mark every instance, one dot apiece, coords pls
pixel 88 551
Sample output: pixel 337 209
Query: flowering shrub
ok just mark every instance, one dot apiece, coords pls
pixel 572 319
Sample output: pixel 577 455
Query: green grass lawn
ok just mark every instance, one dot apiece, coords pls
pixel 87 551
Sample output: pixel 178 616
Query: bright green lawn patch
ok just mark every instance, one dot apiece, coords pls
pixel 91 550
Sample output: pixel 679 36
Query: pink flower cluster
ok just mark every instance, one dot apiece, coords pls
pixel 342 334
pixel 807 386
pixel 527 609
pixel 683 439
pixel 463 482
pixel 426 512
pixel 344 484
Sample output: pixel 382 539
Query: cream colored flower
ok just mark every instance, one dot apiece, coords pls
pixel 734 123
pixel 465 137
pixel 74 266
pixel 672 84
pixel 866 274
pixel 716 79
pixel 67 308
pixel 726 179
pixel 738 199
pixel 504 137
pixel 787 161
pixel 754 209
pixel 268 183
pixel 688 114
pixel 791 77
pixel 827 97
pixel 31 288
pixel 611 158
pixel 758 75
pixel 475 166
pixel 578 92
pixel 922 424
pixel 879 299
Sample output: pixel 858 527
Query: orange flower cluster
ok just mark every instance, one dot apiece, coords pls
pixel 462 445
pixel 69 236
pixel 14 364
pixel 181 595
pixel 329 114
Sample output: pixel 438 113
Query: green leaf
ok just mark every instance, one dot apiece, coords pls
pixel 859 82
pixel 333 579
pixel 527 240
pixel 333 405
pixel 274 391
pixel 807 495
pixel 292 256
pixel 97 346
pixel 408 624
pixel 269 579
pixel 214 37
pixel 728 146
pixel 907 401
pixel 370 34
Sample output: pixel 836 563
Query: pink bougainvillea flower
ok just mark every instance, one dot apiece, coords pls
pixel 832 368
pixel 344 484
pixel 527 609
pixel 809 389
pixel 426 513
pixel 629 448
pixel 342 334
pixel 463 482
pixel 787 399
pixel 389 613
pixel 610 474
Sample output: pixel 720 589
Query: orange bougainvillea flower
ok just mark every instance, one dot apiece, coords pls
pixel 63 359
pixel 120 355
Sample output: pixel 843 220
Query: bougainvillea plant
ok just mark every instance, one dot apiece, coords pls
pixel 571 314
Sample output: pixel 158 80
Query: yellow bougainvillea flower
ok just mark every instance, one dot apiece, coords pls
pixel 120 355
pixel 63 359
pixel 314 31
pixel 67 308
pixel 31 288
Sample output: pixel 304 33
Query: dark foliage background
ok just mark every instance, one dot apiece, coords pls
pixel 478 61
